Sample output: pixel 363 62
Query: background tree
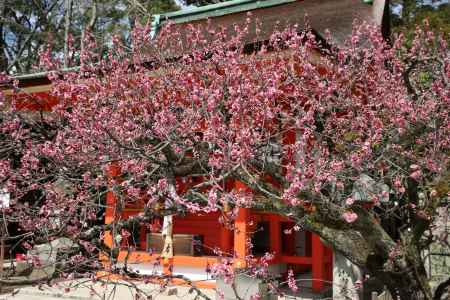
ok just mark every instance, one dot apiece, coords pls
pixel 27 26
pixel 407 14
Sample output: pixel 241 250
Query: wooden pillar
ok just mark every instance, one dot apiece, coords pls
pixel 143 238
pixel 109 216
pixel 241 229
pixel 111 201
pixel 329 266
pixel 318 263
pixel 275 235
pixel 226 237
pixel 240 237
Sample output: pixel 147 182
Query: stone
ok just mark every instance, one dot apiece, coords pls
pixel 46 256
pixel 347 279
pixel 366 187
pixel 62 243
pixel 245 286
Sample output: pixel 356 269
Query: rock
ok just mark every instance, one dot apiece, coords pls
pixel 246 287
pixel 366 187
pixel 45 257
pixel 62 244
pixel 347 278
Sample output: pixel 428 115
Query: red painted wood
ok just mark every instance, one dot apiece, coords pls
pixel 241 187
pixel 38 101
pixel 299 260
pixel 308 242
pixel 289 137
pixel 240 236
pixel 110 201
pixel 226 240
pixel 288 240
pixel 206 225
pixel 329 263
pixel 275 235
pixel 318 264
pixel 108 240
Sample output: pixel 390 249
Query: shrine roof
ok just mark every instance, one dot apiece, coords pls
pixel 337 16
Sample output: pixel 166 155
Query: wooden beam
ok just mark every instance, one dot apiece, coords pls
pixel 136 257
pixel 110 216
pixel 298 260
pixel 111 201
pixel 30 89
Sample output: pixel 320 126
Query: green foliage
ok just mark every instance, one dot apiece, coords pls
pixel 414 12
pixel 120 18
pixel 27 26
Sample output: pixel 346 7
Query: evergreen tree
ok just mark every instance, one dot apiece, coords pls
pixel 27 26
pixel 407 14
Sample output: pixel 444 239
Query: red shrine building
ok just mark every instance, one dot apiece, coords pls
pixel 196 238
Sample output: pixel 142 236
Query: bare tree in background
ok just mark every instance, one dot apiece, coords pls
pixel 26 26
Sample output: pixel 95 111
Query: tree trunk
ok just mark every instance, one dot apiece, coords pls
pixel 167 233
pixel 400 286
pixel 397 265
pixel 2 250
pixel 3 57
pixel 90 25
pixel 68 21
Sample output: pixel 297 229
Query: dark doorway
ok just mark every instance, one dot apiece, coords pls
pixel 261 239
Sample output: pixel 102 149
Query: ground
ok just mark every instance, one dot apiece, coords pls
pixel 121 292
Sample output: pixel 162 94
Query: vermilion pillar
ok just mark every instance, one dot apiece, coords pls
pixel 109 216
pixel 226 237
pixel 110 211
pixel 241 230
pixel 275 235
pixel 240 237
pixel 318 264
pixel 329 265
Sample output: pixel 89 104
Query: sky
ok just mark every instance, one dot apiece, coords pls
pixel 184 6
pixel 397 9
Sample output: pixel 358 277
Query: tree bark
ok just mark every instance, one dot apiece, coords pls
pixel 90 25
pixel 2 250
pixel 68 21
pixel 3 57
pixel 167 232
pixel 443 290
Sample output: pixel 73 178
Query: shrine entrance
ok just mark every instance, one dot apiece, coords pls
pixel 201 240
